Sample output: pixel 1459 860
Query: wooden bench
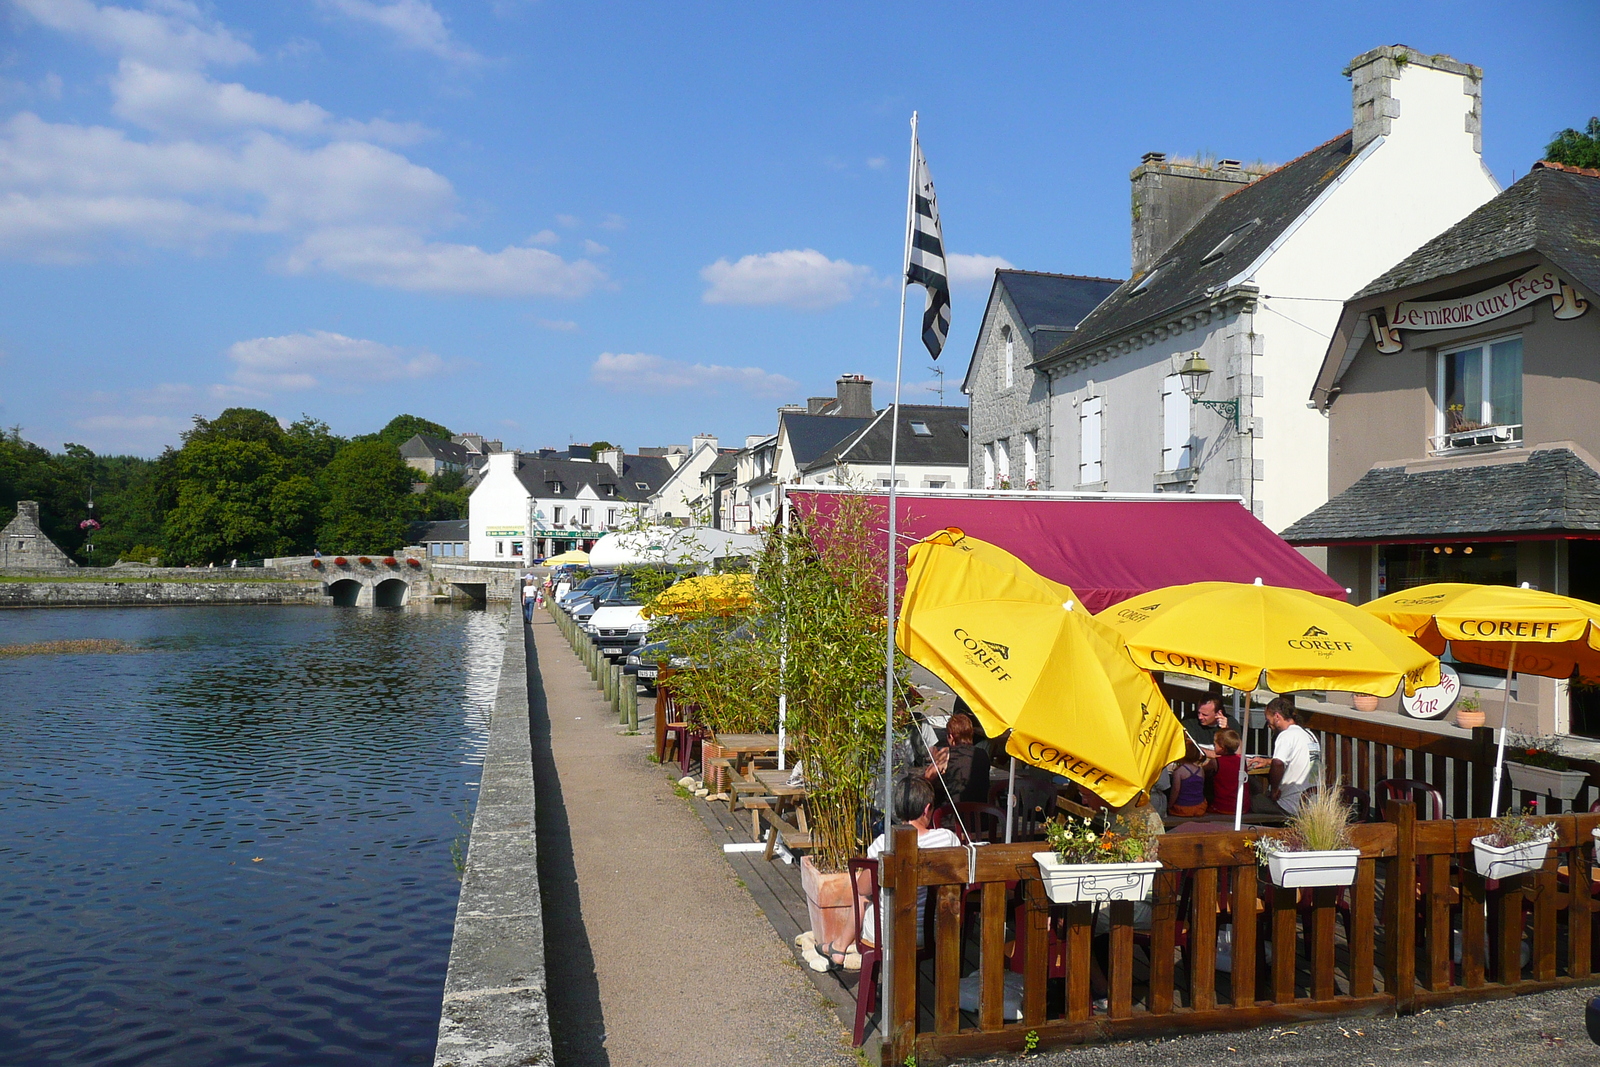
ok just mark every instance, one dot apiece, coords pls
pixel 793 838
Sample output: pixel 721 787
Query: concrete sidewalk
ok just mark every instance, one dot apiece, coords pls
pixel 655 954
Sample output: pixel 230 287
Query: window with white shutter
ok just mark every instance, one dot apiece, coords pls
pixel 1002 459
pixel 1030 457
pixel 1008 369
pixel 988 466
pixel 1175 431
pixel 1089 430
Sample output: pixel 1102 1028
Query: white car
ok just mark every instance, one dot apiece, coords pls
pixel 618 628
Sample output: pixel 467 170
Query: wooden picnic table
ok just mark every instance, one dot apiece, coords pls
pixel 742 749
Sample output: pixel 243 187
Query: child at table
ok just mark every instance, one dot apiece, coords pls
pixel 1225 780
pixel 1187 797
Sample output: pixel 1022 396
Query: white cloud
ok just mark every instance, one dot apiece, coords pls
pixel 545 237
pixel 797 278
pixel 637 371
pixel 594 248
pixel 613 222
pixel 135 425
pixel 968 270
pixel 184 102
pixel 563 325
pixel 169 32
pixel 568 222
pixel 877 162
pixel 402 260
pixel 303 361
pixel 414 23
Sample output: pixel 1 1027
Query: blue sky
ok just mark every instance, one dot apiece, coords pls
pixel 548 221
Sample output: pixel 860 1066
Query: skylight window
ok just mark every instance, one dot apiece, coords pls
pixel 964 431
pixel 1228 243
pixel 920 428
pixel 1144 283
pixel 641 485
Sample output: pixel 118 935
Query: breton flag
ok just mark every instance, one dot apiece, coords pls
pixel 926 266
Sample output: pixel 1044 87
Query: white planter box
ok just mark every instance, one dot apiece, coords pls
pixel 1299 870
pixel 1068 883
pixel 1508 862
pixel 1563 785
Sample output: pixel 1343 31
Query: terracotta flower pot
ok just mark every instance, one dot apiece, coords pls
pixel 1467 720
pixel 830 904
pixel 1366 702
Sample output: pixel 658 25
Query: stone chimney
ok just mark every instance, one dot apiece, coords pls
pixel 819 405
pixel 709 440
pixel 1170 197
pixel 855 396
pixel 753 439
pixel 1380 83
pixel 611 456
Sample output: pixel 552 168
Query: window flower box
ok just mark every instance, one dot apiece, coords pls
pixel 1563 785
pixel 1300 870
pixel 1069 883
pixel 1508 862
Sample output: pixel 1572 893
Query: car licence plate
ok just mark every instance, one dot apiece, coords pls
pixel 611 651
pixel 647 672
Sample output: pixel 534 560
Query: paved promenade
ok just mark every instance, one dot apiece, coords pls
pixel 655 953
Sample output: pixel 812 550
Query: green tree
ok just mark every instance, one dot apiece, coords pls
pixel 310 444
pixel 598 447
pixel 369 503
pixel 1576 149
pixel 400 429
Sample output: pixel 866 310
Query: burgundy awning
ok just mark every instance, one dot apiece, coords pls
pixel 1109 550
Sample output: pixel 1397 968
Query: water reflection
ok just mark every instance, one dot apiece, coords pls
pixel 233 847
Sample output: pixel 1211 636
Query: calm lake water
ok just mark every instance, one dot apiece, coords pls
pixel 233 845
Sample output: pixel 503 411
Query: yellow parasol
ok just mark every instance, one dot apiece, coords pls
pixel 1232 633
pixel 576 556
pixel 1027 657
pixel 709 594
pixel 1500 626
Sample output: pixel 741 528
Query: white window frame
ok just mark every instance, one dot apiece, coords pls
pixel 1030 457
pixel 585 516
pixel 1440 422
pixel 1091 427
pixel 1002 459
pixel 611 516
pixel 558 514
pixel 1177 425
pixel 988 466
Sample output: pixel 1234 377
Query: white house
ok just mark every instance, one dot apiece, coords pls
pixel 528 504
pixel 680 500
pixel 804 434
pixel 1249 274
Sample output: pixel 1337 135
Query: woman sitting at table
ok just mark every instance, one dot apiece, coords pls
pixel 913 804
pixel 966 776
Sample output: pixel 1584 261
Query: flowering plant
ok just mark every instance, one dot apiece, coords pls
pixel 89 524
pixel 341 561
pixel 1518 828
pixel 413 562
pixel 1126 841
pixel 1033 484
pixel 316 564
pixel 366 561
pixel 390 561
pixel 1539 756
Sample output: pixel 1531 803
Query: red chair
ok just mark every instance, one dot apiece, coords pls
pixel 1404 789
pixel 871 955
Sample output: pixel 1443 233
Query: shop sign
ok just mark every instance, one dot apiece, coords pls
pixel 1478 307
pixel 507 532
pixel 1434 701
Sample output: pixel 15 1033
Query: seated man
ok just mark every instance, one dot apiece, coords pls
pixel 1209 718
pixel 913 803
pixel 1296 762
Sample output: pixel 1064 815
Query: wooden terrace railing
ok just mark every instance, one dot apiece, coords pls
pixel 1420 928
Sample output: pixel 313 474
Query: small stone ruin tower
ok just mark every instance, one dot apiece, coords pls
pixel 23 544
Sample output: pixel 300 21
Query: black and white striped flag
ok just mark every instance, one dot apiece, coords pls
pixel 927 267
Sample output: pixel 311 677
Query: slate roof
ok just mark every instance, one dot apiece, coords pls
pixel 1049 305
pixel 1552 491
pixel 946 445
pixel 538 473
pixel 1553 210
pixel 812 435
pixel 420 533
pixel 421 446
pixel 1184 276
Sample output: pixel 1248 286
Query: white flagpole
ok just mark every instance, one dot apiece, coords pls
pixel 783 647
pixel 886 980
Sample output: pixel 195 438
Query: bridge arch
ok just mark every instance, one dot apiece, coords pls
pixel 346 592
pixel 390 593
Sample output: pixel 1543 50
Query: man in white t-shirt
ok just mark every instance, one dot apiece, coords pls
pixel 1296 763
pixel 913 804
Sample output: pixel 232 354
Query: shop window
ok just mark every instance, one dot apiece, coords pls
pixel 1089 437
pixel 1480 396
pixel 516 548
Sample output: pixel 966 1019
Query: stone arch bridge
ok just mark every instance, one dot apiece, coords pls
pixel 397 580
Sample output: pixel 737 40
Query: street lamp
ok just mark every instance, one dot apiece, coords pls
pixel 1196 375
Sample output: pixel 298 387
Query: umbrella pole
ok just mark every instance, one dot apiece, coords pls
pixel 1500 753
pixel 1244 773
pixel 1011 798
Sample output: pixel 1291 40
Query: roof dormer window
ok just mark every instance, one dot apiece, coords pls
pixel 1144 283
pixel 641 485
pixel 920 428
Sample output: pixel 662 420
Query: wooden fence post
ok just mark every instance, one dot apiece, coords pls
pixel 1483 772
pixel 901 1016
pixel 1400 907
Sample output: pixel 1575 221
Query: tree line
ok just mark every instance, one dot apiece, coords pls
pixel 242 486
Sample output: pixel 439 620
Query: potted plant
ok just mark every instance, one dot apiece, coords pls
pixel 412 561
pixel 1469 712
pixel 1541 770
pixel 1314 848
pixel 365 561
pixel 340 561
pixel 1366 702
pixel 1516 844
pixel 316 564
pixel 390 561
pixel 1118 863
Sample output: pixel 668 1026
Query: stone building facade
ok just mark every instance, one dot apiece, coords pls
pixel 24 545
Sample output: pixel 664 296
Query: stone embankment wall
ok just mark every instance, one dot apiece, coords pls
pixel 123 588
pixel 496 1013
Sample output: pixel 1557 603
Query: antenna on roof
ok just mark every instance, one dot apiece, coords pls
pixel 939 371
